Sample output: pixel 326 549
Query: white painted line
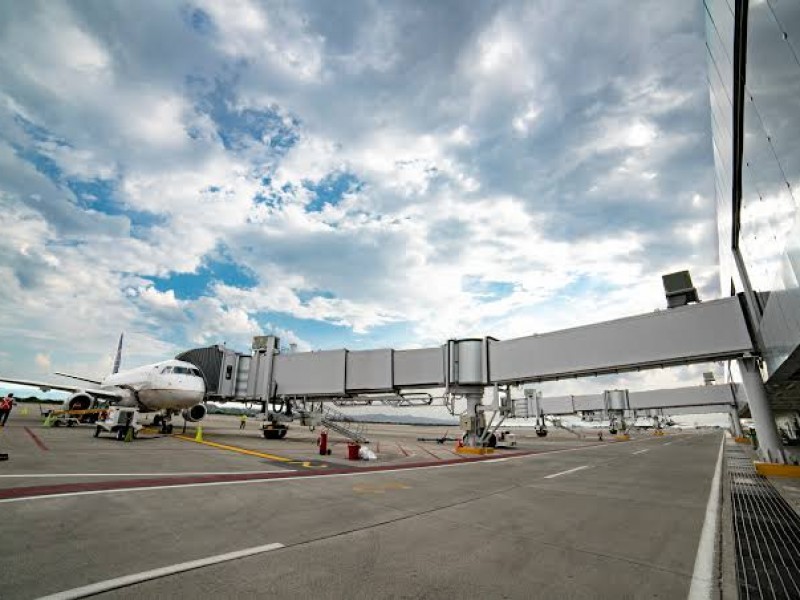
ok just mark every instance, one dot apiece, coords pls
pixel 119 582
pixel 300 478
pixel 55 475
pixel 703 579
pixel 642 451
pixel 667 443
pixel 565 472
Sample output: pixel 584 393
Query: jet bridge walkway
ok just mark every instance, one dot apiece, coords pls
pixel 711 331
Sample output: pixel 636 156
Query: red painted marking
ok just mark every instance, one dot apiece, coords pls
pixel 36 439
pixel 429 452
pixel 90 486
pixel 403 450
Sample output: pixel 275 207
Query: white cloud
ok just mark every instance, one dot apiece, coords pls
pixel 514 174
pixel 42 361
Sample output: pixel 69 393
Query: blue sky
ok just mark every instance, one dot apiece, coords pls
pixel 357 174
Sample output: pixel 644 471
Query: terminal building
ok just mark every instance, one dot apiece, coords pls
pixel 753 53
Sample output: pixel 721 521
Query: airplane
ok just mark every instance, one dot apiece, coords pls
pixel 168 387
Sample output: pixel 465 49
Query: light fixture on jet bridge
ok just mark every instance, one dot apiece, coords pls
pixel 678 289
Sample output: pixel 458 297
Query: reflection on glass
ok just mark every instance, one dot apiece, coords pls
pixel 769 219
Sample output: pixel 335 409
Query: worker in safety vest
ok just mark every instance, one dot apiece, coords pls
pixel 243 421
pixel 6 404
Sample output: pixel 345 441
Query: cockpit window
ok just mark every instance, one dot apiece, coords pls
pixel 181 371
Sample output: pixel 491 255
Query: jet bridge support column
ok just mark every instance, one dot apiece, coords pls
pixel 769 443
pixel 466 371
pixel 736 425
pixel 473 420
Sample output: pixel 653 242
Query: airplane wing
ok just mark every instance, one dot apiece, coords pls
pixel 46 387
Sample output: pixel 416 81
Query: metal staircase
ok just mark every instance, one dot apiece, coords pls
pixel 344 425
pixel 556 422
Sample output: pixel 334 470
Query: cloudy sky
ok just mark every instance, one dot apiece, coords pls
pixel 344 174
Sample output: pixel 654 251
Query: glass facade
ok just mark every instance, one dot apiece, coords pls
pixel 719 43
pixel 770 219
pixel 768 215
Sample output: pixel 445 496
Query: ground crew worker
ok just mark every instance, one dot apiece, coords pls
pixel 242 421
pixel 6 404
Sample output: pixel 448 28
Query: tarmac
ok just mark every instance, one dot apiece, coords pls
pixel 559 517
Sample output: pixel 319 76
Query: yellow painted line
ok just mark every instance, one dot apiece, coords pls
pixel 274 457
pixel 380 488
pixel 777 470
pixel 469 450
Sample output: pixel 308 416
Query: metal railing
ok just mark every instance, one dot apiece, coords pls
pixel 344 425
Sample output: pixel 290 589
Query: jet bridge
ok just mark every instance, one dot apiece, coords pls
pixel 618 405
pixel 721 396
pixel 709 331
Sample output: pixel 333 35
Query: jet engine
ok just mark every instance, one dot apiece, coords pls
pixel 195 413
pixel 79 401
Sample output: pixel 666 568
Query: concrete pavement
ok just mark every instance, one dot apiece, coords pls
pixel 626 525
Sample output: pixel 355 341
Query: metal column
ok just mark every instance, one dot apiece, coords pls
pixel 769 443
pixel 474 400
pixel 736 425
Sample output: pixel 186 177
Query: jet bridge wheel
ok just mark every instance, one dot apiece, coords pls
pixel 276 433
pixel 541 433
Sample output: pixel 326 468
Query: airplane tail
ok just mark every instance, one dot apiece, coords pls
pixel 118 357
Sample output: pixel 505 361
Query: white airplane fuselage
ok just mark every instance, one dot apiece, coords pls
pixel 168 385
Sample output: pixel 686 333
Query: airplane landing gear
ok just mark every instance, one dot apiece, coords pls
pixel 164 422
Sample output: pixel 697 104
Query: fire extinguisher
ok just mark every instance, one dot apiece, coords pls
pixel 323 443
